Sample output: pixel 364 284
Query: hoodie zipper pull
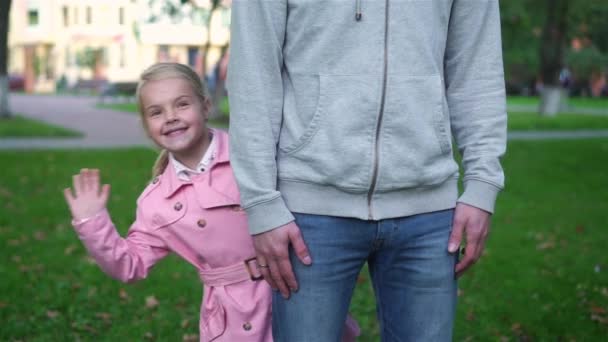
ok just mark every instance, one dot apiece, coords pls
pixel 358 13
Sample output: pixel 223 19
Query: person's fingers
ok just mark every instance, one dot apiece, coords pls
pixel 105 194
pixel 277 277
pixel 69 197
pixel 299 246
pixel 85 179
pixel 286 270
pixel 264 269
pixel 469 258
pixel 94 181
pixel 455 240
pixel 77 184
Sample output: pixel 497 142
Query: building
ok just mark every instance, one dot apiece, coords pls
pixel 56 43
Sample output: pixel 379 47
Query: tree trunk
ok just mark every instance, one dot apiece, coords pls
pixel 551 56
pixel 5 6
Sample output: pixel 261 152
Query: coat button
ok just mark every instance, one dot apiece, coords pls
pixel 247 326
pixel 178 206
pixel 237 208
pixel 201 223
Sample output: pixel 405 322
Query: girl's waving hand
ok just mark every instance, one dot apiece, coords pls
pixel 88 197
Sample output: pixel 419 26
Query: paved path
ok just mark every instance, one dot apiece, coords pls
pixel 102 128
pixel 575 110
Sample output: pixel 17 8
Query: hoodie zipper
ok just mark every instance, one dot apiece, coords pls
pixel 380 115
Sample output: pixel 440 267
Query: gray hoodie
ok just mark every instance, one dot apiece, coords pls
pixel 349 107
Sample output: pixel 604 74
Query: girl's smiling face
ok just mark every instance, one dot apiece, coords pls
pixel 175 117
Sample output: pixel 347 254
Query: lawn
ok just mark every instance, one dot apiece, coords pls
pixel 575 102
pixel 544 276
pixel 562 121
pixel 20 127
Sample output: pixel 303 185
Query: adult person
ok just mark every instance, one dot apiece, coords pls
pixel 342 119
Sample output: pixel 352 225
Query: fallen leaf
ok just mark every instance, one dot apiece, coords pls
pixel 597 309
pixel 545 245
pixel 16 259
pixel 459 292
pixel 599 319
pixel 516 327
pixel 148 336
pixel 39 235
pixel 470 316
pixel 190 338
pixel 580 229
pixel 605 291
pixel 52 314
pixel 185 323
pixel 4 192
pixel 104 316
pixel 92 292
pixel 151 302
pixel 69 249
pixel 3 305
pixel 89 260
pixel 123 294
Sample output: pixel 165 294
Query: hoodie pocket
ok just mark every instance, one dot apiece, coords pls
pixel 334 146
pixel 415 140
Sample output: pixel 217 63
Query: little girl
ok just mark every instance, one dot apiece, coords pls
pixel 191 208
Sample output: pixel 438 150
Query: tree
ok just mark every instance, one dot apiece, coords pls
pixel 5 7
pixel 194 10
pixel 552 48
pixel 537 40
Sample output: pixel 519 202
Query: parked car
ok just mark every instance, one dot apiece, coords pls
pixel 16 82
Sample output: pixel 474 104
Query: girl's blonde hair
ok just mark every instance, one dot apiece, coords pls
pixel 161 71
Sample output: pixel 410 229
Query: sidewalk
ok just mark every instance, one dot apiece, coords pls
pixel 102 128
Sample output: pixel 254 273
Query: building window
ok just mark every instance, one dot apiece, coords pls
pixel 121 62
pixel 66 16
pixel 163 53
pixel 121 16
pixel 76 15
pixel 89 15
pixel 32 17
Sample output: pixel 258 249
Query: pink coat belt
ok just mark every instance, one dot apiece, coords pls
pixel 235 273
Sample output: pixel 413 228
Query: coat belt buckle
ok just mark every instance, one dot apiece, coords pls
pixel 252 275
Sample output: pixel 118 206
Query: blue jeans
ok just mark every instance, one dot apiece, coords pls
pixel 411 271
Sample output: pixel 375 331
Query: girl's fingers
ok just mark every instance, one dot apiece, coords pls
pixel 69 197
pixel 94 178
pixel 86 180
pixel 105 193
pixel 77 183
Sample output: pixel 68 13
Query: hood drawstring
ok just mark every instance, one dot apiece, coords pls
pixel 358 13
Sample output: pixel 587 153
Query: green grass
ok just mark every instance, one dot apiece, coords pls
pixel 543 278
pixel 562 121
pixel 20 127
pixel 574 102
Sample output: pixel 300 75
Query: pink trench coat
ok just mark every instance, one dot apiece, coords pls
pixel 201 221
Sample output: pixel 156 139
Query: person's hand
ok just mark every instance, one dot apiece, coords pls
pixel 88 198
pixel 475 224
pixel 272 249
